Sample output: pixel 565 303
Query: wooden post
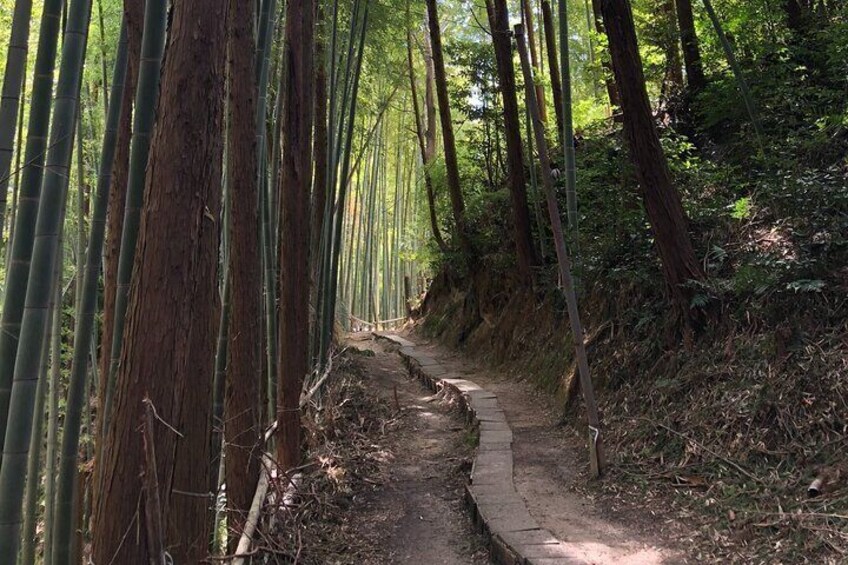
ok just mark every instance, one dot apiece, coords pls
pixel 597 460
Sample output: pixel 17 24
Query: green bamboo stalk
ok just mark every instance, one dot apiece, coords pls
pixel 354 254
pixel 338 108
pixel 29 538
pixel 219 379
pixel 86 309
pixel 343 174
pixel 39 289
pixel 270 283
pixel 81 239
pixel 103 64
pixel 597 460
pixel 17 274
pixel 263 59
pixel 747 97
pixel 567 126
pixel 147 94
pixel 534 186
pixel 17 176
pixel 13 81
pixel 52 435
pixel 590 28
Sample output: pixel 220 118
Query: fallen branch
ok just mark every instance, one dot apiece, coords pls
pixel 243 547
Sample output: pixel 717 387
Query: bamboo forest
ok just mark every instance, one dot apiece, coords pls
pixel 516 282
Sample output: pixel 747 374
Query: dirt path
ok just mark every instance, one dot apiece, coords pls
pixel 417 515
pixel 549 474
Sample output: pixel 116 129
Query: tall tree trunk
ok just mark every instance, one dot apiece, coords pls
pixel 795 16
pixel 17 269
pixel 662 201
pixel 42 272
pixel 320 147
pixel 597 459
pixel 244 369
pixel 527 11
pixel 84 329
pixel 296 162
pixel 170 330
pixel 607 64
pixel 568 128
pixel 13 81
pixel 501 38
pixel 673 79
pixel 553 64
pixel 133 18
pixel 144 113
pixel 691 49
pixel 425 137
pixel 451 164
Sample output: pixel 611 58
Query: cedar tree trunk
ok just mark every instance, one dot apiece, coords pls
pixel 242 428
pixel 502 40
pixel 170 330
pixel 294 186
pixel 662 201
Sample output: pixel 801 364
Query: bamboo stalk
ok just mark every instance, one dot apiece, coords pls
pixel 147 94
pixel 597 460
pixel 17 274
pixel 747 97
pixel 36 313
pixel 13 84
pixel 87 307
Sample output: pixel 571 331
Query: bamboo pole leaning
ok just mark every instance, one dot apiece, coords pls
pixel 744 89
pixel 597 460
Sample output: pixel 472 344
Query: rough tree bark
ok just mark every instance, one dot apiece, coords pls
pixel 691 49
pixel 242 430
pixel 294 185
pixel 170 330
pixel 451 164
pixel 662 201
pixel 502 39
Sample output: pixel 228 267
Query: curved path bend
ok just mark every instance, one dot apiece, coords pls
pixel 540 522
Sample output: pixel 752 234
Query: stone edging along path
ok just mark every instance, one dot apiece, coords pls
pixel 515 537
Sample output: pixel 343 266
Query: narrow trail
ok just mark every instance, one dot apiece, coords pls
pixel 549 475
pixel 418 515
pixel 421 503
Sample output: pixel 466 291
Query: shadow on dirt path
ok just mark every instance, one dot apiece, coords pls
pixel 550 475
pixel 417 514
